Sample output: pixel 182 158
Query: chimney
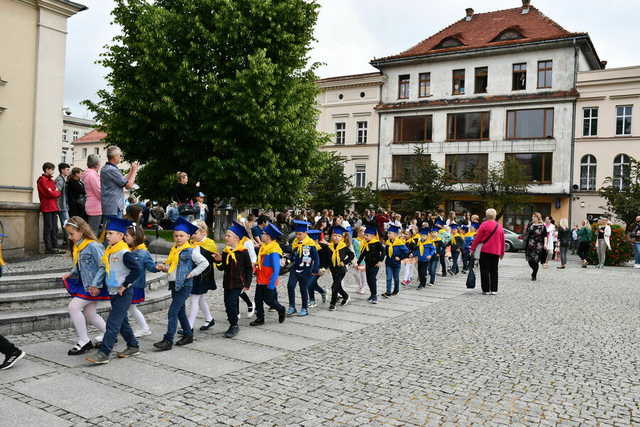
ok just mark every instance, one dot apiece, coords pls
pixel 526 4
pixel 603 64
pixel 469 14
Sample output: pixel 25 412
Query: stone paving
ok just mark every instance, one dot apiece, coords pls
pixel 559 351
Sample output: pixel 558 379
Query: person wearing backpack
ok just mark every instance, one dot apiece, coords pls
pixel 491 236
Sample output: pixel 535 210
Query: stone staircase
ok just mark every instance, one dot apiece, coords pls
pixel 38 301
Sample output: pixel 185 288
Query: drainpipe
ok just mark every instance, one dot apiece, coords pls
pixel 379 127
pixel 573 129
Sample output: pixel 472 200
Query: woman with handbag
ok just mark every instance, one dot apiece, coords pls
pixel 490 240
pixel 535 244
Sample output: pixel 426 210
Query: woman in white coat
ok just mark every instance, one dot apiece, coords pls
pixel 551 239
pixel 603 242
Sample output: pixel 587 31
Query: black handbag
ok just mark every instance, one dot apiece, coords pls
pixel 471 279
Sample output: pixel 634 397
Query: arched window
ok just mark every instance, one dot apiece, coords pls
pixel 588 173
pixel 621 171
pixel 449 42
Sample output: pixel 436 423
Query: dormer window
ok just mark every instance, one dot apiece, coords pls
pixel 508 34
pixel 449 42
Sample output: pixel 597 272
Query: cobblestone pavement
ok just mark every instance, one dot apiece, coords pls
pixel 562 350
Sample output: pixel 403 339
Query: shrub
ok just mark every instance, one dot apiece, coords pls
pixel 621 250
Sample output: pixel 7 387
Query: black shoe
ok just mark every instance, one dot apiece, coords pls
pixel 208 325
pixel 282 315
pixel 232 331
pixel 257 322
pixel 345 300
pixel 385 295
pixel 187 339
pixel 395 292
pixel 12 359
pixel 533 277
pixel 332 307
pixel 77 349
pixel 163 345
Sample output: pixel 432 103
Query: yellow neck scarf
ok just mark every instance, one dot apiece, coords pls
pixel 422 244
pixel 232 252
pixel 1 259
pixel 77 248
pixel 335 253
pixel 208 244
pixel 267 249
pixel 365 246
pixel 307 241
pixel 112 249
pixel 174 256
pixel 397 242
pixel 141 247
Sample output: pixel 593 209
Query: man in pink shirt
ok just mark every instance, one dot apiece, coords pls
pixel 491 236
pixel 93 205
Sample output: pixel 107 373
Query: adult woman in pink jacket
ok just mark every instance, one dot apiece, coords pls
pixel 491 236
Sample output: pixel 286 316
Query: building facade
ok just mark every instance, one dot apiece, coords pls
pixel 31 98
pixel 347 114
pixel 72 129
pixel 607 135
pixel 91 143
pixel 489 87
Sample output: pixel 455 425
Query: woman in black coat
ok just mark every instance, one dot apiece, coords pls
pixel 535 244
pixel 76 194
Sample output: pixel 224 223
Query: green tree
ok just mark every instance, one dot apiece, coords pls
pixel 217 88
pixel 329 187
pixel 623 194
pixel 502 185
pixel 365 198
pixel 428 184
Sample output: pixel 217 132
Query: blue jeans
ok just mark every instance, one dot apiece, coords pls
pixel 314 287
pixel 119 323
pixel 393 272
pixel 433 268
pixel 454 261
pixel 637 254
pixel 63 216
pixel 178 312
pixel 303 280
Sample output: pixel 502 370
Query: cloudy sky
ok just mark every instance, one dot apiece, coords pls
pixel 352 32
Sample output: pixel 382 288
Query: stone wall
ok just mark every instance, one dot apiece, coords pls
pixel 21 223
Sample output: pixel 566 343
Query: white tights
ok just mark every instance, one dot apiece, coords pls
pixel 408 271
pixel 361 278
pixel 82 311
pixel 199 303
pixel 140 320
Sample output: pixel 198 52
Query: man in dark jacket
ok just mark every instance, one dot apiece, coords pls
pixel 49 194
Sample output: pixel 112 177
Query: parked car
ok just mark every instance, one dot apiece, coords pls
pixel 513 242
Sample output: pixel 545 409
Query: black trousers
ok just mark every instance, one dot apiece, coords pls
pixel 6 347
pixel 372 280
pixel 423 270
pixel 264 295
pixel 489 272
pixel 534 267
pixel 231 301
pixel 337 274
pixel 50 227
pixel 244 297
pixel 583 250
pixel 443 263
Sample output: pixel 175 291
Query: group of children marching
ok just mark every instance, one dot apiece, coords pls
pixel 117 274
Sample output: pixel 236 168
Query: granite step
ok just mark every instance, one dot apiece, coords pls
pixel 31 282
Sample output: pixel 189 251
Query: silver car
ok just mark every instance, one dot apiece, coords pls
pixel 513 242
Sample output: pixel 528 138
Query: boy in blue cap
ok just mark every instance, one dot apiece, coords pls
pixel 424 252
pixel 325 259
pixel 341 257
pixel 372 253
pixel 396 252
pixel 267 272
pixel 306 264
pixel 122 268
pixel 436 242
pixel 183 264
pixel 238 273
pixel 457 243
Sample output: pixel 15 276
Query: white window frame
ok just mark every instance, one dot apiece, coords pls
pixel 75 135
pixel 589 120
pixel 362 132
pixel 360 175
pixel 84 153
pixel 623 117
pixel 341 133
pixel 619 162
pixel 588 181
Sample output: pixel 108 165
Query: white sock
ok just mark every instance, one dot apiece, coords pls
pixel 140 320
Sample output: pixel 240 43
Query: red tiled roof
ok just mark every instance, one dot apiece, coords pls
pixel 477 100
pixel 349 77
pixel 93 136
pixel 485 27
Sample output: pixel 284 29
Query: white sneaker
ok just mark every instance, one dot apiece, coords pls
pixel 142 333
pixel 492 293
pixel 251 311
pixel 636 266
pixel 98 339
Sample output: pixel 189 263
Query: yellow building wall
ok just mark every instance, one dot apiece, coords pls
pixel 18 24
